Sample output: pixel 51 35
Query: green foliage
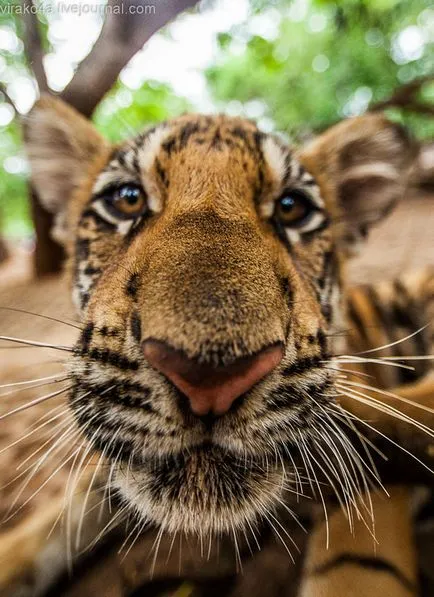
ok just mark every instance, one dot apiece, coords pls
pixel 123 112
pixel 14 209
pixel 296 65
pixel 325 60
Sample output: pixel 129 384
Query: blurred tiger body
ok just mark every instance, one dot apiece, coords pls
pixel 389 319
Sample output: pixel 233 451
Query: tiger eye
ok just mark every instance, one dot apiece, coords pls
pixel 129 201
pixel 294 208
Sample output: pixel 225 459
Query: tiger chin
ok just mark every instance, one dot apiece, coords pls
pixel 206 261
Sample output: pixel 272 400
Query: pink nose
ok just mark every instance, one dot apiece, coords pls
pixel 211 389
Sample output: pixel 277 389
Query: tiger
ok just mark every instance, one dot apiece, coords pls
pixel 385 320
pixel 206 261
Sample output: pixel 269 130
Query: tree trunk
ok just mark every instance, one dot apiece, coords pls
pixel 49 255
pixel 4 253
pixel 122 35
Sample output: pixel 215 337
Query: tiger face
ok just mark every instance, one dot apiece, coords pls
pixel 206 263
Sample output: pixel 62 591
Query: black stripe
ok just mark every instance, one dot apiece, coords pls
pixel 161 173
pixel 390 318
pixel 355 319
pixel 289 396
pixel 372 563
pixel 108 357
pixel 187 131
pixel 86 336
pixel 281 233
pixel 302 365
pixel 82 249
pixel 408 314
pixel 101 225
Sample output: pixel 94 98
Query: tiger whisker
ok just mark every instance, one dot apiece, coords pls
pixel 38 344
pixel 123 511
pixel 62 510
pixel 172 543
pixel 239 563
pixel 138 527
pixel 267 515
pixel 296 471
pixel 41 426
pixel 303 449
pixel 345 417
pixel 384 346
pixel 427 357
pixel 255 538
pixel 346 491
pixel 351 371
pixel 284 487
pixel 63 423
pixel 390 394
pixel 59 426
pixel 371 469
pixel 389 439
pixel 57 469
pixel 380 361
pixel 352 481
pixel 85 501
pixel 356 461
pixel 349 448
pixel 29 381
pixel 34 402
pixel 385 408
pixel 14 309
pixel 71 490
pixel 38 385
pixel 351 489
pixel 58 445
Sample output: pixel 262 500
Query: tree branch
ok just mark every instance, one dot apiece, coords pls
pixel 4 253
pixel 127 27
pixel 405 97
pixel 7 97
pixel 33 45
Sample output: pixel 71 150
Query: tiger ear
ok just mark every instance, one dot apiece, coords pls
pixel 61 146
pixel 362 165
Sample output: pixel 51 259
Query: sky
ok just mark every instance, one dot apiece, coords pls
pixel 172 58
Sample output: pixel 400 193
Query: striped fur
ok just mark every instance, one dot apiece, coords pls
pixel 212 269
pixel 381 559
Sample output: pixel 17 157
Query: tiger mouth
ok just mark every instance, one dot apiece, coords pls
pixel 185 474
pixel 203 490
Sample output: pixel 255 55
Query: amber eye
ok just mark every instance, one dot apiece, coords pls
pixel 128 201
pixel 294 209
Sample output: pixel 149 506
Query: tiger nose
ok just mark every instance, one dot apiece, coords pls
pixel 211 389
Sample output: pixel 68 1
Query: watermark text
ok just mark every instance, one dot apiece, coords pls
pixel 77 8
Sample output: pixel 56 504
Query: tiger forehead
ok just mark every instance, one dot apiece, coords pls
pixel 266 161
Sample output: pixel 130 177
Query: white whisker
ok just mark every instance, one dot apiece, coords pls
pixel 38 344
pixel 29 381
pixel 34 403
pixel 384 346
pixel 379 361
pixel 390 394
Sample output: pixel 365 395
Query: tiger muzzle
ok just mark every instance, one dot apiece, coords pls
pixel 211 390
pixel 212 310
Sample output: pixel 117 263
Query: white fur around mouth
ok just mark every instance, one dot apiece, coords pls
pixel 201 493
